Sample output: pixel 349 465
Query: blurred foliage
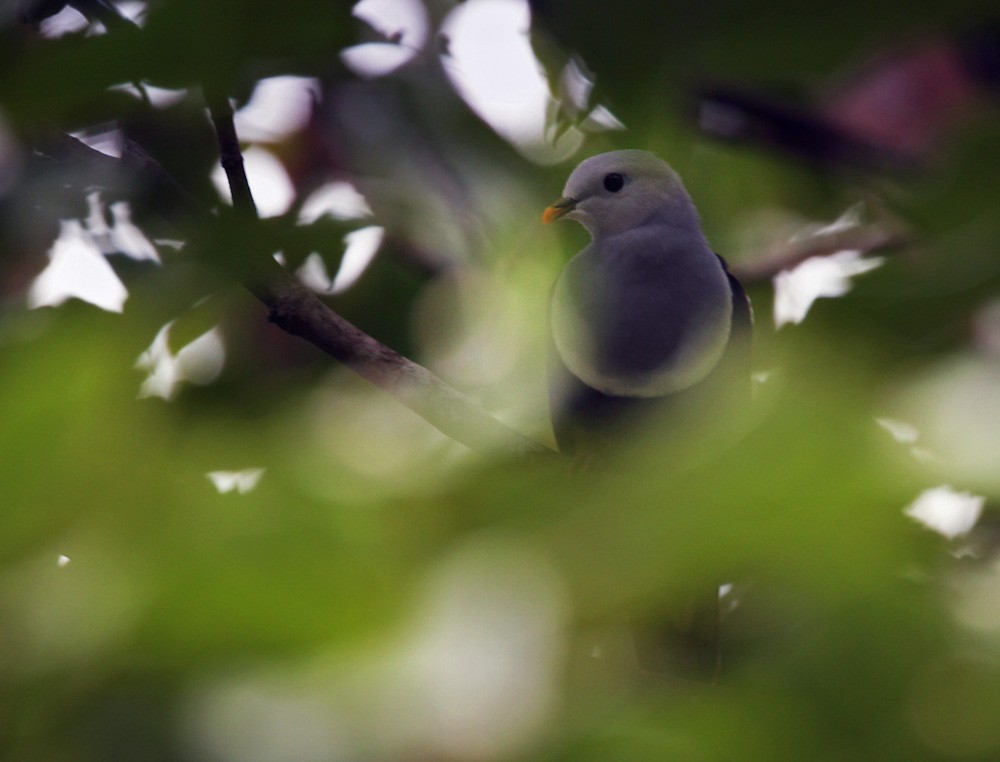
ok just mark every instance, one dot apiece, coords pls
pixel 382 593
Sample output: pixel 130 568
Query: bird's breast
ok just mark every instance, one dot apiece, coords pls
pixel 642 316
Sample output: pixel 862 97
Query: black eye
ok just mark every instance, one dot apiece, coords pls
pixel 613 182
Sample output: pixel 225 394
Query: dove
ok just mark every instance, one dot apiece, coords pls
pixel 646 316
pixel 647 311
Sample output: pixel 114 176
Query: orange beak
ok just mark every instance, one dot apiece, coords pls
pixel 560 208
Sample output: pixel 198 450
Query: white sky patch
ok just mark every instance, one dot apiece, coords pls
pixel 126 236
pixel 97 224
pixel 314 275
pixel 376 59
pixel 402 23
pixel 575 87
pixel 795 290
pixel 159 97
pixel 279 107
pixel 240 482
pixel 493 68
pixel 77 269
pixel 199 362
pixel 601 120
pixel 269 182
pixel 71 21
pixel 576 84
pixel 362 245
pixel 134 10
pixel 946 511
pixel 123 236
pixel 163 97
pixel 67 21
pixel 106 138
pixel 338 199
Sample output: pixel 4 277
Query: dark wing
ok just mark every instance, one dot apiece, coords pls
pixel 579 410
pixel 737 357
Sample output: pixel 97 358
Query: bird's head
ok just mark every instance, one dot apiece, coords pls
pixel 621 190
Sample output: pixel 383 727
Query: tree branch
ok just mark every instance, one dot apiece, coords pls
pixel 230 154
pixel 885 233
pixel 292 306
pixel 298 311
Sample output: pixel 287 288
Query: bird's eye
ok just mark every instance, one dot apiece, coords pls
pixel 614 182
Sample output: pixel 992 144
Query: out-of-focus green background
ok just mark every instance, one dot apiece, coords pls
pixel 380 592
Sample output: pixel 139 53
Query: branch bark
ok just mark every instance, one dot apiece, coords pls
pixel 291 306
pixel 298 311
pixel 230 155
pixel 883 234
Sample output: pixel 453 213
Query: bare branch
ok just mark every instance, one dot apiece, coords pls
pixel 885 233
pixel 292 306
pixel 230 154
pixel 298 311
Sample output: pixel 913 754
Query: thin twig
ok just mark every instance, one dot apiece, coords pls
pixel 230 154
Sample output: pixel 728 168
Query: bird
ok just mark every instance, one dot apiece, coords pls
pixel 647 316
